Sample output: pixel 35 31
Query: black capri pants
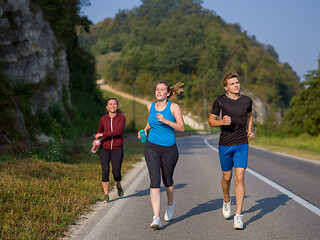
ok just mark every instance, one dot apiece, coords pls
pixel 161 158
pixel 116 157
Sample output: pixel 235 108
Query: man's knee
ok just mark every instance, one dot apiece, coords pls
pixel 239 178
pixel 227 177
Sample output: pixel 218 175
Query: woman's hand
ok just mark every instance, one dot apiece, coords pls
pixel 139 135
pixel 99 135
pixel 161 118
pixel 145 132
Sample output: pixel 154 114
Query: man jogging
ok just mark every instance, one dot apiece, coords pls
pixel 236 124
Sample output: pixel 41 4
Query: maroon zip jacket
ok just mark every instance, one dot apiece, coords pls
pixel 112 129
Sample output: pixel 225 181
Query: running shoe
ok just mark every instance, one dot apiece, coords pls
pixel 226 209
pixel 106 198
pixel 120 191
pixel 156 223
pixel 169 213
pixel 237 224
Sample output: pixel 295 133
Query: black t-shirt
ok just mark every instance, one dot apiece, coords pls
pixel 236 132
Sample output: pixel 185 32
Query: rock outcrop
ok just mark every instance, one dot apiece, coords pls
pixel 32 54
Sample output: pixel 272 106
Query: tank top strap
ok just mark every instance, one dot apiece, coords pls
pixel 153 107
pixel 168 107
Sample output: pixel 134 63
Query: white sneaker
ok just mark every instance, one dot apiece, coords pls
pixel 169 213
pixel 237 221
pixel 226 209
pixel 156 223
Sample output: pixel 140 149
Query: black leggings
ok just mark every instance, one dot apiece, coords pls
pixel 116 157
pixel 161 158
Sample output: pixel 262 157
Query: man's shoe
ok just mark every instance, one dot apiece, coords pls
pixel 120 191
pixel 106 198
pixel 237 221
pixel 156 223
pixel 226 209
pixel 169 213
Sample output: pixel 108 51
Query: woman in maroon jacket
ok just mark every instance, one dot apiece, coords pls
pixel 110 130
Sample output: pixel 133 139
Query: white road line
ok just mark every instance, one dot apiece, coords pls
pixel 291 195
pixel 97 231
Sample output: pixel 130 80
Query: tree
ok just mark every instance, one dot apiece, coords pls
pixel 303 115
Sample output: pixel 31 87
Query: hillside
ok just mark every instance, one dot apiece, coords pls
pixel 179 40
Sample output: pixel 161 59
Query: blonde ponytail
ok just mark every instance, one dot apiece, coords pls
pixel 175 89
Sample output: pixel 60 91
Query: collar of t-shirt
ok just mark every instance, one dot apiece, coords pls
pixel 232 98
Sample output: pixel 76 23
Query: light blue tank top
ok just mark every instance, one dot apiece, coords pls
pixel 160 133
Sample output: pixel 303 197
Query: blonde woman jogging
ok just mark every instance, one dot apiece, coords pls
pixel 161 152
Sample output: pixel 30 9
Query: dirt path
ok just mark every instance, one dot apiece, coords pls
pixel 187 119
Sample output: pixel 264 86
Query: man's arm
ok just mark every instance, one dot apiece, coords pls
pixel 214 122
pixel 249 125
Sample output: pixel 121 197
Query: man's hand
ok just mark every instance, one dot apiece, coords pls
pixel 250 135
pixel 226 120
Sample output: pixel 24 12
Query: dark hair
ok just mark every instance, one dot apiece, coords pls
pixel 174 90
pixel 112 99
pixel 118 110
pixel 229 76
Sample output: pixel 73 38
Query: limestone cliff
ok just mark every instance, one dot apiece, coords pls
pixel 32 54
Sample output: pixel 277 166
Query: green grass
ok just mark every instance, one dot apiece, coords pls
pixel 305 146
pixel 40 199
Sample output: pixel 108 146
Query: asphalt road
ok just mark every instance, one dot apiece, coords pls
pixel 268 213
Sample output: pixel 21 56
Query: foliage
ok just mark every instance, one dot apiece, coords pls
pixel 180 39
pixel 64 16
pixel 303 115
pixel 7 117
pixel 14 99
pixel 86 99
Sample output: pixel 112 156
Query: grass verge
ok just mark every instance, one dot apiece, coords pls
pixel 40 199
pixel 304 146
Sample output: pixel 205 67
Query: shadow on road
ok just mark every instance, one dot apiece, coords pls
pixel 266 206
pixel 146 192
pixel 209 206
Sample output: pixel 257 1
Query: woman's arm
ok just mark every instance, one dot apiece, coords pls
pixel 177 113
pixel 116 132
pixel 100 130
pixel 117 129
pixel 147 127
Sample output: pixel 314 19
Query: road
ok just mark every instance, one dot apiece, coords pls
pixel 268 212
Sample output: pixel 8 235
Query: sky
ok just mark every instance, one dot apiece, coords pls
pixel 292 27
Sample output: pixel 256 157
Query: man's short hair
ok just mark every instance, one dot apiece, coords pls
pixel 229 76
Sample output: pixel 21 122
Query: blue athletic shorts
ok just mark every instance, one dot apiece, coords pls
pixel 233 156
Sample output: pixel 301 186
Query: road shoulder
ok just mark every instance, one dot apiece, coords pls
pixel 89 219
